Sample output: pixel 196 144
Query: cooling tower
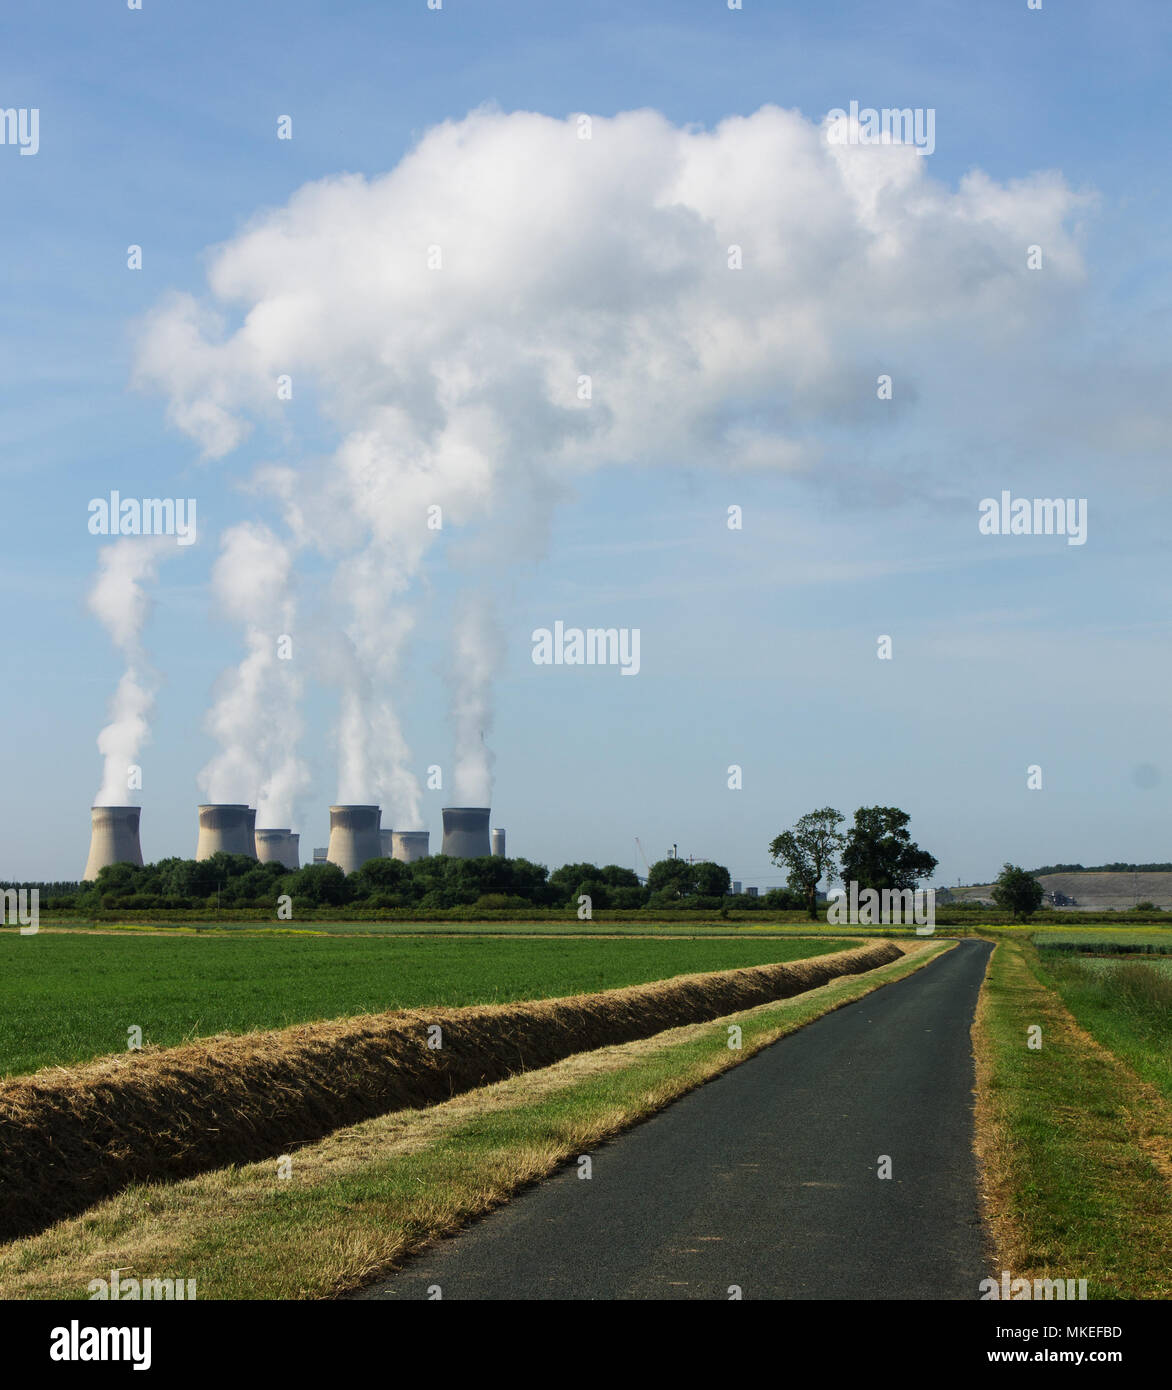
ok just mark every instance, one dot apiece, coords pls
pixel 498 842
pixel 113 838
pixel 277 847
pixel 409 845
pixel 466 832
pixel 226 826
pixel 386 843
pixel 354 836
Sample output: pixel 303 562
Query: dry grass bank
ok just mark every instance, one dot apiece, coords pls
pixel 69 1137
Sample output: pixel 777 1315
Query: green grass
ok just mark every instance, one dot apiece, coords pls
pixel 1069 1138
pixel 67 997
pixel 1124 1004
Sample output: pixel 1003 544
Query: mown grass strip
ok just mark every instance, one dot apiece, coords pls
pixel 360 1201
pixel 1075 1148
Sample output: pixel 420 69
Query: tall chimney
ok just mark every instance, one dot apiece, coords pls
pixel 409 845
pixel 113 838
pixel 498 842
pixel 354 836
pixel 227 826
pixel 277 847
pixel 466 832
pixel 386 843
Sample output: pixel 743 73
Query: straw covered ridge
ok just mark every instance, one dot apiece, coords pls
pixel 69 1137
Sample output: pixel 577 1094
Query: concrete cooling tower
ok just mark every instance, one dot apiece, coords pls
pixel 354 836
pixel 278 847
pixel 409 845
pixel 113 838
pixel 466 832
pixel 498 842
pixel 386 843
pixel 226 826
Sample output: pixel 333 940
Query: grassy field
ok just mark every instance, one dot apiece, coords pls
pixel 358 1202
pixel 66 997
pixel 1125 1003
pixel 1074 1144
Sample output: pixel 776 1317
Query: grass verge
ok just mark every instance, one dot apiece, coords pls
pixel 1126 1004
pixel 1075 1149
pixel 357 1203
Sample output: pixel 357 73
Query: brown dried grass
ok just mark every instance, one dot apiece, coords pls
pixel 71 1136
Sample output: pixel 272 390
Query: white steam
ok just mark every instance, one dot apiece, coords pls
pixel 119 601
pixel 254 716
pixel 446 314
pixel 477 654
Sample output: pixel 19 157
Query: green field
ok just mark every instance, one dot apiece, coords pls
pixel 1124 1003
pixel 66 997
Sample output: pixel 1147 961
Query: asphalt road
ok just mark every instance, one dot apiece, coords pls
pixel 767 1178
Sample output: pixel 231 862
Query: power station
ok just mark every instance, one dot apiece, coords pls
pixel 113 838
pixel 466 832
pixel 226 826
pixel 409 845
pixel 278 847
pixel 354 836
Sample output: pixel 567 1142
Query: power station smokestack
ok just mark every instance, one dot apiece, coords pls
pixel 409 845
pixel 113 838
pixel 277 847
pixel 354 836
pixel 228 826
pixel 498 843
pixel 386 843
pixel 466 832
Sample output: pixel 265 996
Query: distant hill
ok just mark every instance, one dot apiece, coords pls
pixel 1093 888
pixel 1102 869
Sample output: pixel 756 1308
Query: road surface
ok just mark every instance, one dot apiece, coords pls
pixel 766 1180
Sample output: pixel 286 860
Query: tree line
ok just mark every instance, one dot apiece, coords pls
pixel 438 882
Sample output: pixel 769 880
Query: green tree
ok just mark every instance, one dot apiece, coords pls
pixel 712 880
pixel 810 851
pixel 1018 891
pixel 565 881
pixel 674 877
pixel 880 853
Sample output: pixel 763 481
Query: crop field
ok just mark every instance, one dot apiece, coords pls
pixel 70 996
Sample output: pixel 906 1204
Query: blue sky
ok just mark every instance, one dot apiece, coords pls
pixel 156 128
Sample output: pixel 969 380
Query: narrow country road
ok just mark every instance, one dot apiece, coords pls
pixel 767 1178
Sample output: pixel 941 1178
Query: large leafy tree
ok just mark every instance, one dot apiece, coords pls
pixel 880 853
pixel 1019 891
pixel 810 851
